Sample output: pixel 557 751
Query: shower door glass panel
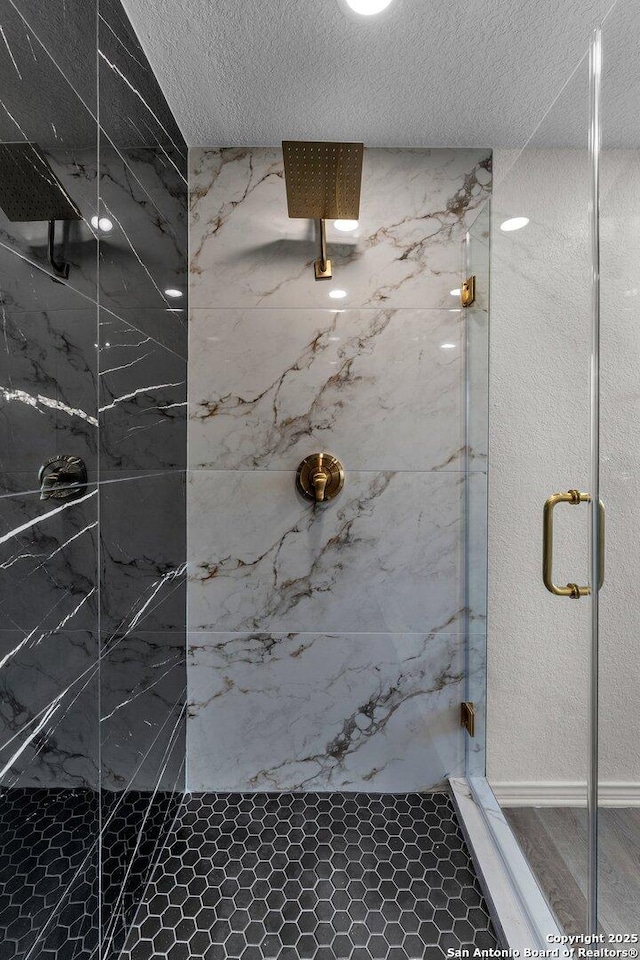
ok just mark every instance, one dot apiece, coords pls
pixel 539 643
pixel 619 654
pixel 49 656
pixel 476 326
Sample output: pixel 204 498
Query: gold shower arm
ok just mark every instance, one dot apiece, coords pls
pixel 572 589
pixel 322 266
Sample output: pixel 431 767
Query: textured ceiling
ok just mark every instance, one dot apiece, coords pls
pixel 430 73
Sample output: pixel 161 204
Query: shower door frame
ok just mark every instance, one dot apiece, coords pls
pixel 519 909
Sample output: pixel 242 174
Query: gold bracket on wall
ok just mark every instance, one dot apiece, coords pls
pixel 468 717
pixel 468 292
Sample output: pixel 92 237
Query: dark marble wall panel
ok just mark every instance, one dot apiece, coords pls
pixel 92 593
pixel 142 535
pixel 144 251
pixel 48 562
pixel 142 374
pixel 49 650
pixel 67 30
pixel 49 51
pixel 41 107
pixel 48 388
pixel 143 397
pixel 133 110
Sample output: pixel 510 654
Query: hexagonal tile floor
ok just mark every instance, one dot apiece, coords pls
pixel 318 876
pixel 48 873
pixel 49 880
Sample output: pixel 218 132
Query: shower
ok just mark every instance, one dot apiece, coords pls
pixel 30 191
pixel 323 183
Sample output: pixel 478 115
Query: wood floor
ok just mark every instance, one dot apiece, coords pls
pixel 554 840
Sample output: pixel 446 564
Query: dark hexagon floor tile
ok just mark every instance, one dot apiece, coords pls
pixel 318 876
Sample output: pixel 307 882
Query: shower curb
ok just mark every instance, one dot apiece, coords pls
pixel 518 908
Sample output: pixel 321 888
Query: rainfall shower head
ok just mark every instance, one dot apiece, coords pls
pixel 323 179
pixel 29 189
pixel 323 183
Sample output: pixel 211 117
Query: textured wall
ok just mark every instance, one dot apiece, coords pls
pixel 539 444
pixel 325 647
pixel 540 344
pixel 92 602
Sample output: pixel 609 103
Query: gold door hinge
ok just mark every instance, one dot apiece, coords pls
pixel 468 717
pixel 468 292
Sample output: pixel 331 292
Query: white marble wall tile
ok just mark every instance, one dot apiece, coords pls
pixel 385 556
pixel 477 342
pixel 476 522
pixel 315 711
pixel 326 645
pixel 375 387
pixel 416 206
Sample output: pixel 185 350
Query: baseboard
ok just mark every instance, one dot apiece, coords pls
pixel 563 793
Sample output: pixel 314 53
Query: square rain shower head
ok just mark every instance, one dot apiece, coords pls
pixel 29 189
pixel 323 179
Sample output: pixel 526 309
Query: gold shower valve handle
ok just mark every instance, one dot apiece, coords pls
pixel 572 590
pixel 320 477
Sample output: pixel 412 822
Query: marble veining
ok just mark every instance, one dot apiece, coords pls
pixel 92 656
pixel 376 387
pixel 385 556
pixel 143 676
pixel 35 670
pixel 416 207
pixel 60 744
pixel 310 711
pixel 47 391
pixel 48 558
pixel 144 253
pixel 326 644
pixel 143 401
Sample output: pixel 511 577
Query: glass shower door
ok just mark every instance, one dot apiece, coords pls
pixel 539 644
pixel 618 674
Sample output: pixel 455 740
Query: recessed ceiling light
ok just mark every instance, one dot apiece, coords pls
pixel 454 293
pixel 101 223
pixel 337 294
pixel 515 223
pixel 368 8
pixel 172 292
pixel 447 346
pixel 345 225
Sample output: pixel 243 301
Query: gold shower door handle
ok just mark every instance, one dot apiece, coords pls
pixel 572 589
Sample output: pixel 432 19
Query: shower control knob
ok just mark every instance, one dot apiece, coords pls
pixel 320 477
pixel 62 478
